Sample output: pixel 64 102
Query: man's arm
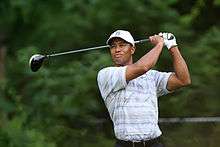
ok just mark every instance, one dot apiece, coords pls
pixel 181 77
pixel 146 62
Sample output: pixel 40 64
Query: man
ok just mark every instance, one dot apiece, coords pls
pixel 130 90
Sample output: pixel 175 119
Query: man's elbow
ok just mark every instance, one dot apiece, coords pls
pixel 186 82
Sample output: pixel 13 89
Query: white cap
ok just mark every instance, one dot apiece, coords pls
pixel 125 35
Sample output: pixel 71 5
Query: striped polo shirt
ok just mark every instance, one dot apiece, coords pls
pixel 133 105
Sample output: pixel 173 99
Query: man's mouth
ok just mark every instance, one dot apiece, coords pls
pixel 118 55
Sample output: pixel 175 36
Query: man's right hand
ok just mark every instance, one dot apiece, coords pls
pixel 156 39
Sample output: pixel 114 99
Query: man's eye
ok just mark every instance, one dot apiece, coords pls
pixel 122 45
pixel 112 46
pixel 119 45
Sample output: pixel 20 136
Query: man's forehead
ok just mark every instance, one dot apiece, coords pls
pixel 117 40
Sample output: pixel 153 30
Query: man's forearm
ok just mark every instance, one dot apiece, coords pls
pixel 150 59
pixel 145 63
pixel 180 66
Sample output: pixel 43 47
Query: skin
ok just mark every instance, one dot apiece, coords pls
pixel 122 52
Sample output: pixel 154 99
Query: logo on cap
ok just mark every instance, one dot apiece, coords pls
pixel 118 33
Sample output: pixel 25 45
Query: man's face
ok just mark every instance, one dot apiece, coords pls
pixel 121 52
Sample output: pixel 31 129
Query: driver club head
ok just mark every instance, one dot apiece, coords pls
pixel 36 62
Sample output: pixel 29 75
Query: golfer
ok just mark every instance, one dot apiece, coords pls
pixel 131 90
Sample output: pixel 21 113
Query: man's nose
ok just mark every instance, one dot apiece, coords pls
pixel 117 48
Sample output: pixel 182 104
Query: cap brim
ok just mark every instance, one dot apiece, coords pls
pixel 109 41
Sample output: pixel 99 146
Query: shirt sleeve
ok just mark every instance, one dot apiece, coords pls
pixel 161 79
pixel 111 79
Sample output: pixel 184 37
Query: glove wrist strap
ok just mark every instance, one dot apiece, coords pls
pixel 173 46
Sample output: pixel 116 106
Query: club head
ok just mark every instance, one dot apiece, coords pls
pixel 36 62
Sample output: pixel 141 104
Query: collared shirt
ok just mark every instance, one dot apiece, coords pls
pixel 133 106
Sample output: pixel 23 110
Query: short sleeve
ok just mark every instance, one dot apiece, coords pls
pixel 111 79
pixel 161 79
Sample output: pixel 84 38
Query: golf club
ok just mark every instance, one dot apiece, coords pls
pixel 36 60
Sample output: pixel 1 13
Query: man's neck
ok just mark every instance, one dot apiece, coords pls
pixel 128 63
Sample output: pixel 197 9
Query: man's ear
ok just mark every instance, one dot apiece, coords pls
pixel 133 50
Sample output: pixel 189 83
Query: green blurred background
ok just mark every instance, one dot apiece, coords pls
pixel 60 105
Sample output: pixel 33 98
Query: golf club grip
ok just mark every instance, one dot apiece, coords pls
pixel 88 49
pixel 141 41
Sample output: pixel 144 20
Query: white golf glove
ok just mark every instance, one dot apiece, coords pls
pixel 169 40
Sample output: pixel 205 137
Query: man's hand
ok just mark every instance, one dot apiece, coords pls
pixel 156 39
pixel 169 40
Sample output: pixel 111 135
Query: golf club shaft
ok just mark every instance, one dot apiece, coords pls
pixel 91 48
pixel 76 51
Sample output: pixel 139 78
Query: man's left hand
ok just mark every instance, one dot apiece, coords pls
pixel 169 40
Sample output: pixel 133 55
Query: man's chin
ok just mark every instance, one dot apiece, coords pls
pixel 117 63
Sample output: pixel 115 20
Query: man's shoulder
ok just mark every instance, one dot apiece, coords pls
pixel 105 69
pixel 111 73
pixel 150 73
pixel 109 69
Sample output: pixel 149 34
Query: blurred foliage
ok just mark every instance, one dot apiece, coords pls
pixel 60 105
